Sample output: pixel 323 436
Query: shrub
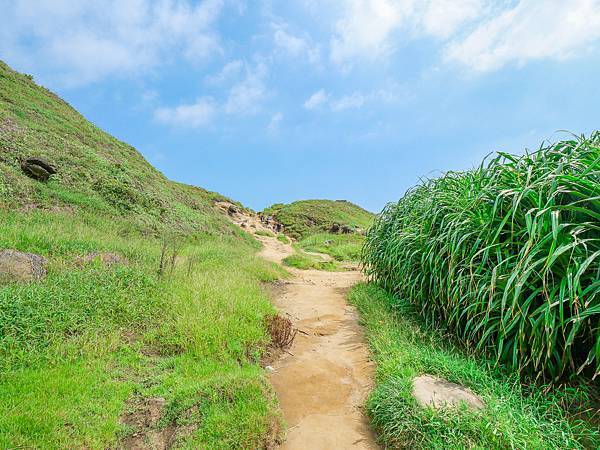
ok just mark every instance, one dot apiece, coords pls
pixel 506 256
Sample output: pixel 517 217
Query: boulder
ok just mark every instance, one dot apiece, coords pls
pixel 335 228
pixel 18 266
pixel 232 210
pixel 37 168
pixel 437 392
pixel 346 229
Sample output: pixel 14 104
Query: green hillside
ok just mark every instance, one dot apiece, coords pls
pixel 307 217
pixel 95 171
pixel 332 227
pixel 127 340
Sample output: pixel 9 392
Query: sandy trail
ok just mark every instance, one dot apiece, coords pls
pixel 324 380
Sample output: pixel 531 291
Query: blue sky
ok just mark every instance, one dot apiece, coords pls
pixel 274 101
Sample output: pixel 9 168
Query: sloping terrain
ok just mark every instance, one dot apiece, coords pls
pixel 307 217
pixel 95 171
pixel 331 227
pixel 143 323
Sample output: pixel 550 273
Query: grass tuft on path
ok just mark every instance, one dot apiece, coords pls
pixel 513 418
pixel 304 261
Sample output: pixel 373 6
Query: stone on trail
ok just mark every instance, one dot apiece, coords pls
pixel 437 392
pixel 18 266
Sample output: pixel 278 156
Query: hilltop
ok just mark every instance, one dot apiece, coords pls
pixel 306 217
pixel 332 227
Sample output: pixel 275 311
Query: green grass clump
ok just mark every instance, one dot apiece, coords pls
pixel 341 247
pixel 404 348
pixel 283 238
pixel 305 262
pixel 77 346
pixel 506 256
pixel 265 233
pixel 306 217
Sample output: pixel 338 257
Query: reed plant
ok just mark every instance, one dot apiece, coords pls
pixel 506 256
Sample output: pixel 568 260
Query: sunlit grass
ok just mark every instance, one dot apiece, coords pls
pixel 74 347
pixel 403 347
pixel 506 256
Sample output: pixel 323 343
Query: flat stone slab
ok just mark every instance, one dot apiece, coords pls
pixel 437 392
pixel 18 266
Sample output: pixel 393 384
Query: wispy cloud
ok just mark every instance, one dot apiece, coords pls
pixel 275 121
pixel 532 30
pixel 482 35
pixel 245 97
pixel 354 100
pixel 316 100
pixel 229 71
pixel 83 42
pixel 296 46
pixel 194 115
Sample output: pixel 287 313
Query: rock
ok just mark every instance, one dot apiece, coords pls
pixel 18 266
pixel 346 229
pixel 437 392
pixel 335 228
pixel 38 168
pixel 232 209
pixel 106 258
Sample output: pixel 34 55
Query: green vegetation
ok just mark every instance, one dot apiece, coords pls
pixel 312 222
pixel 512 418
pixel 341 247
pixel 265 233
pixel 506 257
pixel 96 172
pixel 283 238
pixel 305 261
pixel 183 319
pixel 307 217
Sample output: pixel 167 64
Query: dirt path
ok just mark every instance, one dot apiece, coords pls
pixel 323 383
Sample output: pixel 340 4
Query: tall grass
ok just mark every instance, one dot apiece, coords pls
pixel 506 256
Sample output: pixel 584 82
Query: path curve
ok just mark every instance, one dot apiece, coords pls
pixel 323 381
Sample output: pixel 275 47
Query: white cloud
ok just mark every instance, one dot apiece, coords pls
pixel 316 100
pixel 390 94
pixel 352 101
pixel 84 41
pixel 194 115
pixel 483 35
pixel 275 122
pixel 373 29
pixel 294 45
pixel 532 30
pixel 246 96
pixel 364 30
pixel 229 70
pixel 441 18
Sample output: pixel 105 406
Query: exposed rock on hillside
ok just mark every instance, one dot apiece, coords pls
pixel 18 266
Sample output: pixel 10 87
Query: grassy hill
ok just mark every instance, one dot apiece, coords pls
pixel 308 217
pixel 101 354
pixel 96 172
pixel 333 227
